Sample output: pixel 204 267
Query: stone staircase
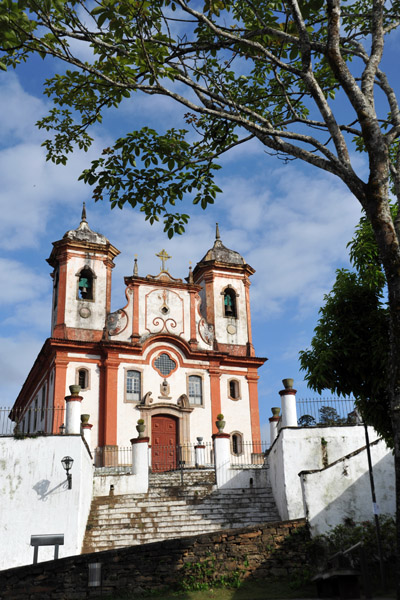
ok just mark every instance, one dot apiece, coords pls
pixel 170 510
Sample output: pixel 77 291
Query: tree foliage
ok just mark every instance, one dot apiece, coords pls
pixel 350 348
pixel 263 70
pixel 243 70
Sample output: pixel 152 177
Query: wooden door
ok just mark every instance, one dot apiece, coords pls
pixel 164 443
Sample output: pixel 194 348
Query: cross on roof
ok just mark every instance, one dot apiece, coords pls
pixel 164 256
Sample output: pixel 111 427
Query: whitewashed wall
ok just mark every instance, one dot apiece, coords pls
pixel 97 307
pixel 35 499
pixel 343 489
pixel 90 402
pixel 299 449
pixel 221 322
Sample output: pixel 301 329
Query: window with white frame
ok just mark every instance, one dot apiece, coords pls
pixel 234 389
pixel 83 379
pixel 236 443
pixel 195 390
pixel 133 385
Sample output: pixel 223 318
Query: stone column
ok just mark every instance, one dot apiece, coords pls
pixel 199 452
pixel 273 424
pixel 73 411
pixel 140 461
pixel 222 457
pixel 288 400
pixel 86 431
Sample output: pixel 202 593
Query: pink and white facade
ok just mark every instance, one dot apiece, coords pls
pixel 176 354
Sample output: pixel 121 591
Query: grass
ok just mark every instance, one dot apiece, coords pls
pixel 249 590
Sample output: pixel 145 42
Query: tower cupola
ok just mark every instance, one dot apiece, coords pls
pixel 82 261
pixel 224 277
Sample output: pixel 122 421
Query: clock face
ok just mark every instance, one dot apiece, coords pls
pixel 84 312
pixel 231 329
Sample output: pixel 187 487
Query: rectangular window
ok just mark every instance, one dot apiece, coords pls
pixel 133 385
pixel 43 404
pixel 195 390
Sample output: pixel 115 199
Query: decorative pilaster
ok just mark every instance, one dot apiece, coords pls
pixel 108 402
pixel 86 430
pixel 273 424
pixel 73 411
pixel 288 401
pixel 222 454
pixel 140 461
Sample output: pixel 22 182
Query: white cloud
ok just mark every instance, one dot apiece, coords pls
pixel 17 355
pixel 18 112
pixel 19 283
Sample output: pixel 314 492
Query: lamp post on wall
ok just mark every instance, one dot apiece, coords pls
pixel 67 463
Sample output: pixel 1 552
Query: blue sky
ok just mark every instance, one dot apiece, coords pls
pixel 291 223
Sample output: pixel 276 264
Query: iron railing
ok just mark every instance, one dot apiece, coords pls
pixel 182 456
pixel 113 457
pixel 29 421
pixel 163 458
pixel 329 412
pixel 248 454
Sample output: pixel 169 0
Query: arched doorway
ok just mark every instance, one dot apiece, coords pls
pixel 164 443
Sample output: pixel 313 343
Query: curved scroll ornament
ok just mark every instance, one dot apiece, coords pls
pixel 165 324
pixel 147 399
pixel 206 332
pixel 183 401
pixel 116 322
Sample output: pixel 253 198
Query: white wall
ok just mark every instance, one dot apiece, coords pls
pixel 298 449
pixel 343 490
pixel 35 499
pixel 245 478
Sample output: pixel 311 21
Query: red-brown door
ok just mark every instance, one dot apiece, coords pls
pixel 164 443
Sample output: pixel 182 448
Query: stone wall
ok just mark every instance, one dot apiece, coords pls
pixel 268 551
pixel 319 446
pixel 347 489
pixel 35 499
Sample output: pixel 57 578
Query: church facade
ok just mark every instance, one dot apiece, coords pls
pixel 178 352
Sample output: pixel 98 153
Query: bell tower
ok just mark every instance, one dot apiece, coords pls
pixel 224 277
pixel 82 261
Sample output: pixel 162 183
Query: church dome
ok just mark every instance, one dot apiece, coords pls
pixel 83 233
pixel 221 253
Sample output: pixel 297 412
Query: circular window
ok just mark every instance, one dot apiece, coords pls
pixel 165 364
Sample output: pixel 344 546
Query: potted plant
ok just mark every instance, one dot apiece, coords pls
pixel 220 423
pixel 140 427
pixel 74 389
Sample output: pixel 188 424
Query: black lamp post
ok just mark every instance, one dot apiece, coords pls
pixel 67 463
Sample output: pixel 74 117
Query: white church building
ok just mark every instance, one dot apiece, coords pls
pixel 177 354
pixel 173 368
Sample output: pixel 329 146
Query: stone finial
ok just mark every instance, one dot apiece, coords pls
pixel 288 383
pixel 217 235
pixel 135 266
pixel 83 217
pixel 190 277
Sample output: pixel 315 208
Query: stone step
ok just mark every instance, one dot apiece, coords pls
pixel 169 510
pixel 184 496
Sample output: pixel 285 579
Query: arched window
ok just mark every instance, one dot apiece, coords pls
pixel 85 284
pixel 234 389
pixel 195 390
pixel 133 385
pixel 55 287
pixel 236 444
pixel 83 378
pixel 230 303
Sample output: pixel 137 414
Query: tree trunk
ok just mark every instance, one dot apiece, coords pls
pixel 378 211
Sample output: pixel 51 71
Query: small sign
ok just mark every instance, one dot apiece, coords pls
pixel 376 509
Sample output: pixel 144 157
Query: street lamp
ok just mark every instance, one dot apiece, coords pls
pixel 67 463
